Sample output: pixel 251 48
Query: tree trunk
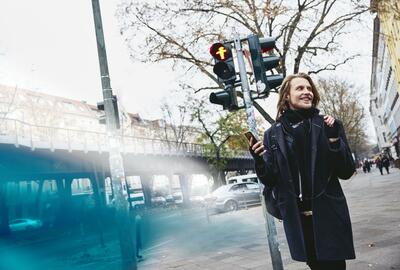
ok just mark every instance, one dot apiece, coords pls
pixel 94 180
pixel 147 184
pixel 218 177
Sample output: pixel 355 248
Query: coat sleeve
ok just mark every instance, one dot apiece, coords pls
pixel 265 169
pixel 343 161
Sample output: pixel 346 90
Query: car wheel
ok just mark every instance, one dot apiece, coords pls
pixel 231 206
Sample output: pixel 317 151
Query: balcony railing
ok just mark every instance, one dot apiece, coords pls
pixel 17 132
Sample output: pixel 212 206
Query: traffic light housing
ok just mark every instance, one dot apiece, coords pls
pixel 227 98
pixel 224 68
pixel 103 117
pixel 261 64
pixel 116 112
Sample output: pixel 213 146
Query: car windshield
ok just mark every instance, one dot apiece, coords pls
pixel 252 186
pixel 220 190
pixel 16 221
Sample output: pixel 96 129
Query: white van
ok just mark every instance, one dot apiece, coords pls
pixel 247 178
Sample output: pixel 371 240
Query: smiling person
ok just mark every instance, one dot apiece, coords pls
pixel 301 158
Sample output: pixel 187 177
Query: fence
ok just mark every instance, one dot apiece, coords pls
pixel 17 132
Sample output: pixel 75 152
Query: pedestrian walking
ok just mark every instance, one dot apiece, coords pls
pixel 379 164
pixel 300 159
pixel 386 163
pixel 366 165
pixel 139 240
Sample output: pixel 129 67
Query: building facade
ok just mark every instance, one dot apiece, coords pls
pixel 388 12
pixel 37 114
pixel 384 95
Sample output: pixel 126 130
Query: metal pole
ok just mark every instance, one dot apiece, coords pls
pixel 270 222
pixel 126 239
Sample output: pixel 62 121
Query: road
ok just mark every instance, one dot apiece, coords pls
pixel 238 240
pixel 186 239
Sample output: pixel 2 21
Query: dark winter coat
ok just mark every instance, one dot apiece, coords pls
pixel 385 162
pixel 331 219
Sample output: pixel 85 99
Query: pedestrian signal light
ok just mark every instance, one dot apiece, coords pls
pixel 220 52
pixel 224 66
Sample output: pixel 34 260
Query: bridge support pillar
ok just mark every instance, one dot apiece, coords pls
pixel 147 186
pixel 185 183
pixel 98 192
pixel 4 217
pixel 171 183
pixel 64 215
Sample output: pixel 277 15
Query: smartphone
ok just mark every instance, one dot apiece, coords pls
pixel 249 135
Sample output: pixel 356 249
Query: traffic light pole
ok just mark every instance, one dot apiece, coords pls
pixel 126 239
pixel 270 222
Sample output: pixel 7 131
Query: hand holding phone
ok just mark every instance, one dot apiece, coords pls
pixel 256 146
pixel 249 135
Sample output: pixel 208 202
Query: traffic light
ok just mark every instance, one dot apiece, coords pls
pixel 224 68
pixel 103 117
pixel 116 112
pixel 227 98
pixel 262 64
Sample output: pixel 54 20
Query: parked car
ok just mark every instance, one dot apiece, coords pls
pixel 170 199
pixel 158 201
pixel 25 224
pixel 247 178
pixel 233 196
pixel 178 197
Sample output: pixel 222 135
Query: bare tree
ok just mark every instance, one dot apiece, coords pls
pixel 307 31
pixel 175 129
pixel 222 136
pixel 341 100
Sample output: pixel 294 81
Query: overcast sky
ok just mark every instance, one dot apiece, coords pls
pixel 49 46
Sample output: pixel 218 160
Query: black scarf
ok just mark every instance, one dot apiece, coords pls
pixel 297 123
pixel 292 117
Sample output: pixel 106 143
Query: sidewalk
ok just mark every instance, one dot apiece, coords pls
pixel 238 240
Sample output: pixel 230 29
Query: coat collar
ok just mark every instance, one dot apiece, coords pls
pixel 317 124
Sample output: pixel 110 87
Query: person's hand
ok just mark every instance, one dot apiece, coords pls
pixel 332 131
pixel 329 120
pixel 256 149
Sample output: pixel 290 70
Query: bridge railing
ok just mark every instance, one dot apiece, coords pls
pixel 17 132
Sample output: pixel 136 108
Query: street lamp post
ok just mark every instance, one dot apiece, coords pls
pixel 273 244
pixel 126 239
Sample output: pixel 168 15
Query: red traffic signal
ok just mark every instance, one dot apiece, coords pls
pixel 220 52
pixel 267 44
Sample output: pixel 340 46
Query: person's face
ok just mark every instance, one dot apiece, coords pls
pixel 300 94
